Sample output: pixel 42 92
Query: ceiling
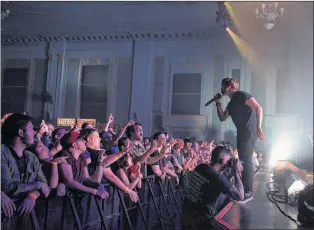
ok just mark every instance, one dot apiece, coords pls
pixel 71 20
pixel 42 19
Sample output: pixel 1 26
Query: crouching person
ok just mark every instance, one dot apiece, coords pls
pixel 207 183
pixel 74 173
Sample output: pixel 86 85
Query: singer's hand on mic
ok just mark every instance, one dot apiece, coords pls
pixel 218 100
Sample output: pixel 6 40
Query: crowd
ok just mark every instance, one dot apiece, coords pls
pixel 38 161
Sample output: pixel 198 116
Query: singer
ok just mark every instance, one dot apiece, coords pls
pixel 247 115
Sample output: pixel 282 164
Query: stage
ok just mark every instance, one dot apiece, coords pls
pixel 260 213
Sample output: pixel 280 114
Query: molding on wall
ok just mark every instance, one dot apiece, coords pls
pixel 113 37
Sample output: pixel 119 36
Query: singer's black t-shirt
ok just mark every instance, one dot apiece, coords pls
pixel 243 116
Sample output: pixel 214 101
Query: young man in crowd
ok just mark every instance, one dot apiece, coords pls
pixel 205 186
pixel 93 151
pixel 21 175
pixel 139 154
pixel 75 174
pixel 153 161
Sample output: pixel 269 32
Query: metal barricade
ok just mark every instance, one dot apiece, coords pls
pixel 158 207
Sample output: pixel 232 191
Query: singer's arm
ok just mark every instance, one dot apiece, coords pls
pixel 223 115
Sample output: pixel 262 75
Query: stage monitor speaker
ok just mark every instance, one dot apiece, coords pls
pixel 306 206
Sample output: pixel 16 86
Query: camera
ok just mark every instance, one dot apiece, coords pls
pixel 230 169
pixel 232 163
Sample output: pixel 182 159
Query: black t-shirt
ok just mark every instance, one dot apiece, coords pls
pixel 201 198
pixel 149 167
pixel 119 164
pixel 243 116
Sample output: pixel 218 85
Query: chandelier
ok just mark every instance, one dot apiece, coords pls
pixel 270 12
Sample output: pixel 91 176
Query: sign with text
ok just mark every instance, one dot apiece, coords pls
pixel 68 122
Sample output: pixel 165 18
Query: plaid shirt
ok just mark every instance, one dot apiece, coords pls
pixel 138 151
pixel 12 180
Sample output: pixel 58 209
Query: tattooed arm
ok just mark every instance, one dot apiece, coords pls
pixel 223 115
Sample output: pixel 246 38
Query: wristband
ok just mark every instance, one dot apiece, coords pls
pixel 33 195
pixel 53 163
pixel 126 190
pixel 119 154
pixel 98 164
pixel 218 103
pixel 95 192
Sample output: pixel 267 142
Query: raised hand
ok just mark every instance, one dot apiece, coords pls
pixel 5 117
pixel 154 144
pixel 61 160
pixel 43 127
pixel 110 119
pixel 130 123
pixel 78 126
pixel 101 156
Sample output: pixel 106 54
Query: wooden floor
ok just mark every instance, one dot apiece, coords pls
pixel 259 213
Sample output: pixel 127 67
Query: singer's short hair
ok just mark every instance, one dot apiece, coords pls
pixel 228 81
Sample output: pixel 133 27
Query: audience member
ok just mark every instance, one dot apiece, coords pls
pixel 206 184
pixel 21 174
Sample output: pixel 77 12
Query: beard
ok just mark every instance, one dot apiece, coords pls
pixel 28 141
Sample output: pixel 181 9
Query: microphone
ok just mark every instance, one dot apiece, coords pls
pixel 217 96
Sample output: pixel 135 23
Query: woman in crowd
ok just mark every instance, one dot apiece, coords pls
pixel 129 173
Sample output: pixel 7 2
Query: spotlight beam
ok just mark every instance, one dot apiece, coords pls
pixel 245 49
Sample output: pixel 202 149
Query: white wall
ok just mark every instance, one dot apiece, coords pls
pixel 141 76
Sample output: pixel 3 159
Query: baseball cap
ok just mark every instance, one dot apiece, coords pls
pixel 70 138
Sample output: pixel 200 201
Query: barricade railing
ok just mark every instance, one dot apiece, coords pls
pixel 159 207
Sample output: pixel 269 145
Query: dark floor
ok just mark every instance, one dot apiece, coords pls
pixel 260 213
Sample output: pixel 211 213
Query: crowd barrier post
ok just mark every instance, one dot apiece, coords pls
pixel 147 180
pixel 165 201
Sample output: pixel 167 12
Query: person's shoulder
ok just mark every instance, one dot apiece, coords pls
pixel 204 168
pixel 30 155
pixel 5 150
pixel 243 94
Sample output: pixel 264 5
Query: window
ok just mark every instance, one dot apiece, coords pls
pixel 14 90
pixel 94 87
pixel 186 94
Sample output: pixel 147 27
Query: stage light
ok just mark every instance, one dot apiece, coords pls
pixel 281 150
pixel 222 15
pixel 305 206
pixel 294 185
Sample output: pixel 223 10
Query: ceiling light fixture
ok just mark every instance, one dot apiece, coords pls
pixel 222 15
pixel 270 12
